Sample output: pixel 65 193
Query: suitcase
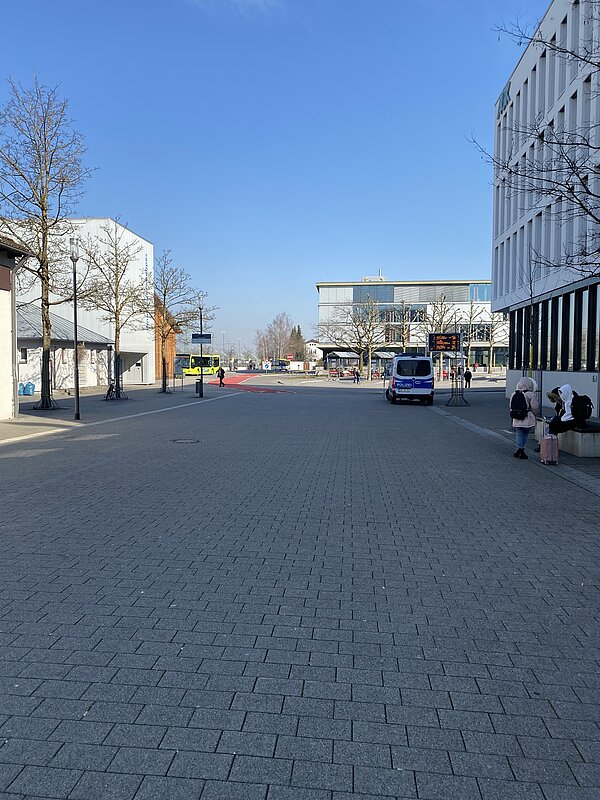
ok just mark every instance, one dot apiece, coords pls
pixel 549 448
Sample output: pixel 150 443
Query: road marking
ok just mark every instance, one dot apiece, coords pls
pixel 35 435
pixel 85 425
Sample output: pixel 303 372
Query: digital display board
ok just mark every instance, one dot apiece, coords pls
pixel 449 342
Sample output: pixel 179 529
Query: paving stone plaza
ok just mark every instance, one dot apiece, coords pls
pixel 296 595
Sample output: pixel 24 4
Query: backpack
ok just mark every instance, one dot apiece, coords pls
pixel 581 407
pixel 519 407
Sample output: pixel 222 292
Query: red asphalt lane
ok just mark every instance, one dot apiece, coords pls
pixel 238 380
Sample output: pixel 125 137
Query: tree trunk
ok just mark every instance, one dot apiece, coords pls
pixel 117 359
pixel 46 389
pixel 163 358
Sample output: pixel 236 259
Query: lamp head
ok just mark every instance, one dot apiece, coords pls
pixel 74 244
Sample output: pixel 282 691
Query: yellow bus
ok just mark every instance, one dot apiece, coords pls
pixel 190 365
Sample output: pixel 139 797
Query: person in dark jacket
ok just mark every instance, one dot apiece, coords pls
pixel 564 419
pixel 467 376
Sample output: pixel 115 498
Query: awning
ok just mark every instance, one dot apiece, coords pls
pixel 341 354
pixel 383 354
pixel 29 327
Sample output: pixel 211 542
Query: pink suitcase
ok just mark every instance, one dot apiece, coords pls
pixel 548 448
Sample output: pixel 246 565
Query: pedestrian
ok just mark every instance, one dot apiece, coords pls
pixel 524 407
pixel 467 376
pixel 221 374
pixel 452 373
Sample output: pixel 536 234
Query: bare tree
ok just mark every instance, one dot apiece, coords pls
pixel 469 324
pixel 173 293
pixel 120 298
pixel 555 161
pixel 273 342
pixel 498 331
pixel 438 317
pixel 41 179
pixel 356 327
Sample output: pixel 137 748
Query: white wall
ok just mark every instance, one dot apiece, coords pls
pixel 524 224
pixel 93 369
pixel 7 407
pixel 137 338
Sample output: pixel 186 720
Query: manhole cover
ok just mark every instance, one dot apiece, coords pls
pixel 185 441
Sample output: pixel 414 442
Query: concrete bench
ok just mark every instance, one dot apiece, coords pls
pixel 582 442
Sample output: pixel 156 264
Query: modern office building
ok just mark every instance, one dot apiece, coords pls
pixel 547 123
pixel 408 310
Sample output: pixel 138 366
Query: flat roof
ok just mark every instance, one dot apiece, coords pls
pixel 403 283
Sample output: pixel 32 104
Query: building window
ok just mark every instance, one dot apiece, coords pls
pixel 555 312
pixel 577 313
pixel 519 340
pixel 22 355
pixel 376 294
pixel 566 344
pixel 480 292
pixel 544 334
pixel 535 336
pixel 512 339
pixel 527 337
pixel 592 361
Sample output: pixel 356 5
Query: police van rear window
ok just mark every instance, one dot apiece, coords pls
pixel 413 367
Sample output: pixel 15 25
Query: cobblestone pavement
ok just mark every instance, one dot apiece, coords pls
pixel 316 596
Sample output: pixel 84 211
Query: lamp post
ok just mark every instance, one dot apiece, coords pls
pixel 74 246
pixel 239 353
pixel 223 343
pixel 201 388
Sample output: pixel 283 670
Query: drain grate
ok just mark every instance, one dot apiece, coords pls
pixel 185 441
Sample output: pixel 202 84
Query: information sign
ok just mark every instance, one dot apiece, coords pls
pixel 201 338
pixel 444 342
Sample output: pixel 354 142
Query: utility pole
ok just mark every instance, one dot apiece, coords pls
pixel 201 392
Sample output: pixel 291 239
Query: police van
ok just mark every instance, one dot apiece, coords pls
pixel 411 377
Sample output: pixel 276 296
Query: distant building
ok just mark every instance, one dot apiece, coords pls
pixel 547 122
pixel 313 350
pixel 10 252
pixel 408 310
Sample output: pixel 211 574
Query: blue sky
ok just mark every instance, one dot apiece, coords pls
pixel 271 144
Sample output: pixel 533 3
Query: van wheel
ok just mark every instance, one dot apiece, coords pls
pixel 429 401
pixel 393 399
pixel 387 394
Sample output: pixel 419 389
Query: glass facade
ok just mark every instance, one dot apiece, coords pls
pixel 557 334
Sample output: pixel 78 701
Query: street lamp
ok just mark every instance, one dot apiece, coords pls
pixel 239 353
pixel 223 342
pixel 74 245
pixel 201 382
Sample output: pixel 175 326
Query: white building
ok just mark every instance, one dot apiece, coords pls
pixel 409 310
pixel 9 252
pixel 554 309
pixel 313 351
pixel 137 338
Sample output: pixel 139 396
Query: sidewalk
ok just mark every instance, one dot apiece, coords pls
pixel 488 416
pixel 94 409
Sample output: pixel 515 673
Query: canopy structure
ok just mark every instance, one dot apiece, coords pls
pixel 30 330
pixel 383 354
pixel 343 354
